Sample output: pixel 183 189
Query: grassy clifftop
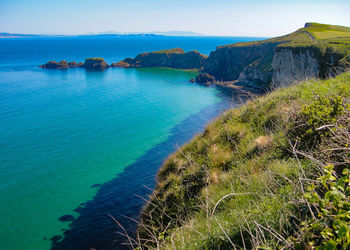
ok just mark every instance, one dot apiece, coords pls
pixel 273 173
pixel 166 51
pixel 312 33
pixel 314 51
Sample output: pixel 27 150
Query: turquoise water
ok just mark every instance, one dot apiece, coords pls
pixel 68 139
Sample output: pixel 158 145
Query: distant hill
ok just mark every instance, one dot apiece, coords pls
pixel 177 33
pixel 162 33
pixel 107 33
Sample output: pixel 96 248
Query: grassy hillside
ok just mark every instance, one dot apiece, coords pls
pixel 273 173
pixel 312 33
pixel 166 51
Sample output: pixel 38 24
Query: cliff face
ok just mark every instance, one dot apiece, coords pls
pixel 290 66
pixel 293 64
pixel 315 51
pixel 172 58
pixel 244 62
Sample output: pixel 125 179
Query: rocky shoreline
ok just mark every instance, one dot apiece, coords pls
pixel 275 62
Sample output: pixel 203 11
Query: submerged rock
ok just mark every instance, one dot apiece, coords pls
pixel 56 238
pixel 66 217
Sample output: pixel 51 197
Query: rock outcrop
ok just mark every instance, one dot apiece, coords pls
pixel 55 65
pixel 74 64
pixel 95 64
pixel 172 58
pixel 293 64
pixel 248 62
pixel 124 63
pixel 205 78
pixel 90 64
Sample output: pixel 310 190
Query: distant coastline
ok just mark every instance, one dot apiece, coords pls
pixel 12 35
pixel 105 34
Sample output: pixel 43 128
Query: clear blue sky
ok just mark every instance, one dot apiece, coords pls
pixel 211 17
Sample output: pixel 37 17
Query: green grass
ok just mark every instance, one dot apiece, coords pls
pixel 314 34
pixel 166 51
pixel 240 179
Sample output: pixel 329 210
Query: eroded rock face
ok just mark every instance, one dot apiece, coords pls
pixel 95 64
pixel 226 63
pixel 290 66
pixel 55 65
pixel 256 75
pixel 74 64
pixel 172 58
pixel 205 78
pixel 61 65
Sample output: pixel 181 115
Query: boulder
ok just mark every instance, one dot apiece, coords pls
pixel 205 78
pixel 121 64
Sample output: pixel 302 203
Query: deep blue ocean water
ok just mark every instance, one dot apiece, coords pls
pixel 77 146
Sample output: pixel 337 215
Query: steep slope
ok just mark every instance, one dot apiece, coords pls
pixel 273 173
pixel 315 51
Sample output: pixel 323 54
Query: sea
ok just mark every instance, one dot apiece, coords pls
pixel 79 150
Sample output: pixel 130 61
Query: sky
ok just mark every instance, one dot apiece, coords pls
pixel 211 17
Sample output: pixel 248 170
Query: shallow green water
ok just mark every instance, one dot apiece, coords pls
pixel 64 131
pixel 84 143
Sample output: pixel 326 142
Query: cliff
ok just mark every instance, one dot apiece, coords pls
pixel 315 51
pixel 272 174
pixel 172 58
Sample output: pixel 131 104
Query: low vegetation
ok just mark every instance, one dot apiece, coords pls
pixel 166 51
pixel 273 173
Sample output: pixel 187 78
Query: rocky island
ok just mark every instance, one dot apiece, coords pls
pixel 171 58
pixel 96 63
